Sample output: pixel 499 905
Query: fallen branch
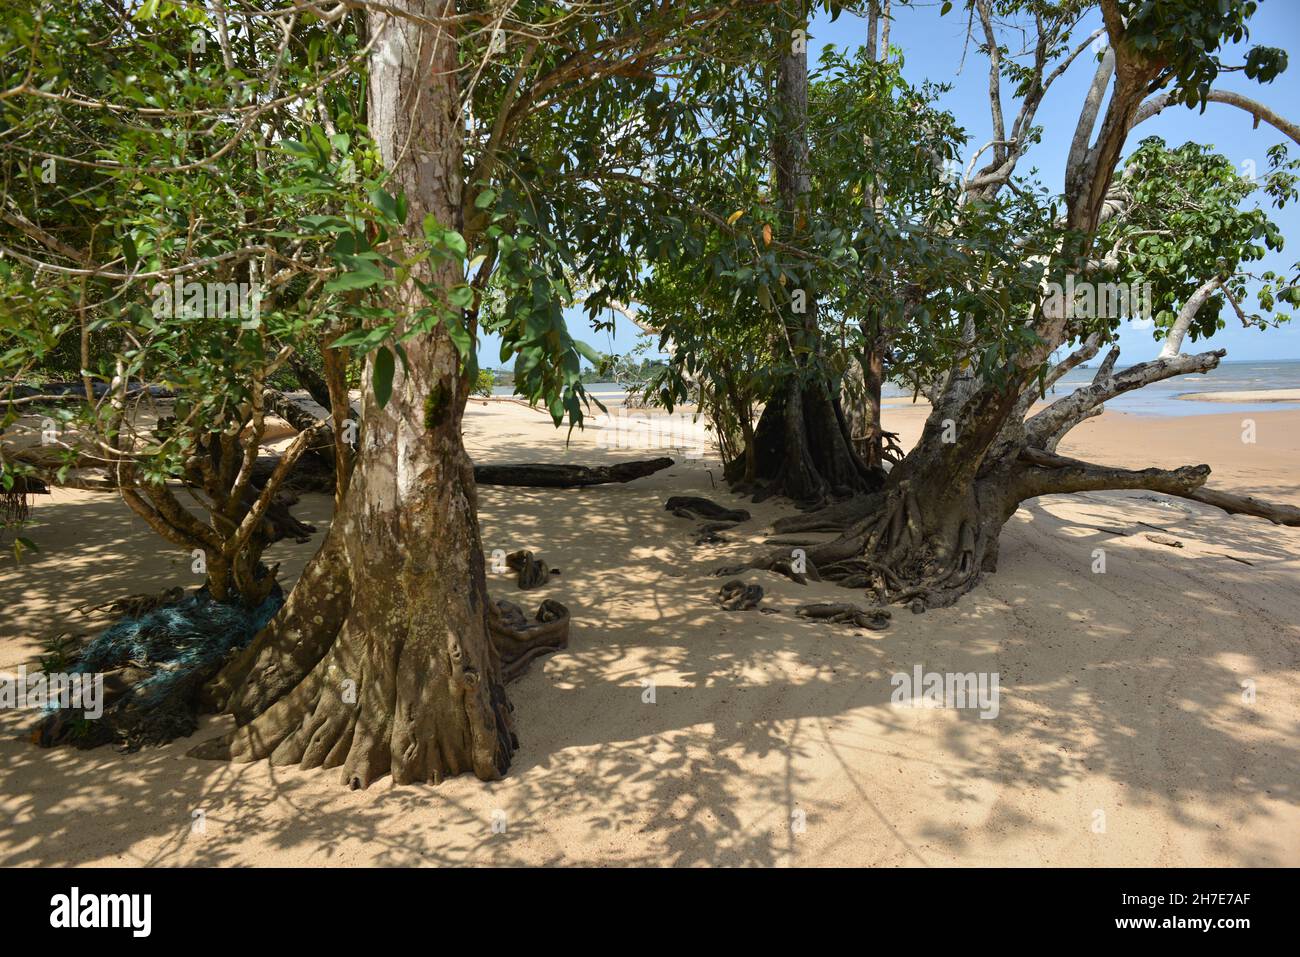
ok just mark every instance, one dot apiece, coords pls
pixel 1246 505
pixel 538 475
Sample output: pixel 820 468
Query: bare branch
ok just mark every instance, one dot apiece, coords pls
pixel 1256 109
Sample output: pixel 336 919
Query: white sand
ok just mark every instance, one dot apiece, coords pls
pixel 1121 692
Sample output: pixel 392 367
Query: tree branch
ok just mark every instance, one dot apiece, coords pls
pixel 1064 413
pixel 1047 474
pixel 1256 109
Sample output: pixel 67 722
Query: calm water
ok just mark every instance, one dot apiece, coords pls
pixel 1159 398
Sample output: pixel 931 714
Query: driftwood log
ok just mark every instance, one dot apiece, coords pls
pixel 694 506
pixel 539 475
pixel 313 474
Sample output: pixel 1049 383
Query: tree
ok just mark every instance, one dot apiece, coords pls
pixel 399 154
pixel 801 447
pixel 927 536
pixel 394 606
pixel 408 681
pixel 111 278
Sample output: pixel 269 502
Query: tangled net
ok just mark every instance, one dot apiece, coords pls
pixel 154 665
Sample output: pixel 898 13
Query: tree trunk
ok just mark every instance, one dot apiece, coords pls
pixel 860 397
pixel 381 661
pixel 802 446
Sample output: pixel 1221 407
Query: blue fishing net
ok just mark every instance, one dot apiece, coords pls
pixel 180 647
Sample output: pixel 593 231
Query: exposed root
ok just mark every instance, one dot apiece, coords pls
pixel 895 551
pixel 134 606
pixel 875 619
pixel 533 572
pixel 286 651
pixel 518 641
pixel 735 595
pixel 833 518
pixel 693 506
pixel 710 533
pixel 367 708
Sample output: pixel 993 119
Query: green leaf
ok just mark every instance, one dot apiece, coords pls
pixel 386 204
pixel 460 336
pixel 455 242
pixel 331 224
pixel 588 353
pixel 363 277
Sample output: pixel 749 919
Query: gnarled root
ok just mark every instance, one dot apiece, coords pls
pixel 287 649
pixel 903 554
pixel 533 572
pixel 518 641
pixel 833 518
pixel 897 552
pixel 366 707
pixel 735 595
pixel 876 619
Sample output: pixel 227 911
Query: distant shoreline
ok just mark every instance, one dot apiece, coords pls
pixel 1252 395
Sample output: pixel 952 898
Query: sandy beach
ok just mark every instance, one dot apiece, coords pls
pixel 1126 734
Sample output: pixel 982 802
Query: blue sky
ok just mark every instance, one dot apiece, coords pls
pixel 932 48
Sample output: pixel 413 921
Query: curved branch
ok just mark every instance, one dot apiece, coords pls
pixel 1174 338
pixel 1062 414
pixel 1256 109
